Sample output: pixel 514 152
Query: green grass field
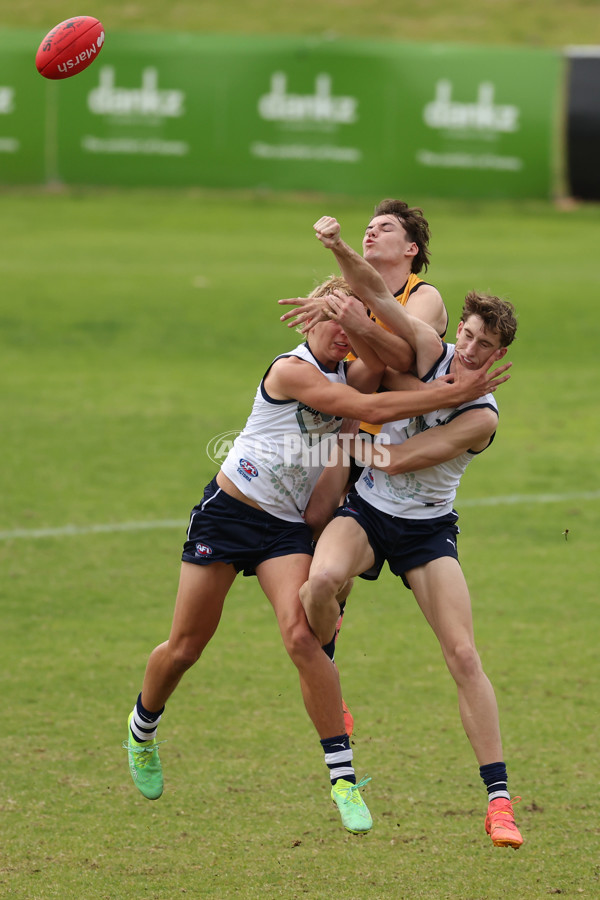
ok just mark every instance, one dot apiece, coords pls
pixel 546 23
pixel 134 326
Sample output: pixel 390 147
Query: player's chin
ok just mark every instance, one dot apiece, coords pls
pixel 341 352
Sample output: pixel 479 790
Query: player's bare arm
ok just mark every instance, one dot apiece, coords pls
pixel 295 379
pixel 472 430
pixel 395 351
pixel 368 284
pixel 364 373
pixel 332 482
pixel 405 381
pixel 427 304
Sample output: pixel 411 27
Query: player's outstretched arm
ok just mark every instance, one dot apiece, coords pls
pixel 368 284
pixel 364 280
pixel 472 430
pixel 292 378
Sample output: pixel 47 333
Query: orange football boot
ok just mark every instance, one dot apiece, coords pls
pixel 500 823
pixel 348 719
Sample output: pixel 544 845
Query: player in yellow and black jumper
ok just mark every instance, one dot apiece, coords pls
pixel 396 243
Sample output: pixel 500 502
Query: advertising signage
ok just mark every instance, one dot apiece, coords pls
pixel 302 114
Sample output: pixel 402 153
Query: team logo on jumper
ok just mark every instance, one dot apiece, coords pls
pixel 315 425
pixel 203 550
pixel 247 469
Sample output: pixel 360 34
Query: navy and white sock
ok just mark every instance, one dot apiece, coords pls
pixel 495 779
pixel 144 723
pixel 338 757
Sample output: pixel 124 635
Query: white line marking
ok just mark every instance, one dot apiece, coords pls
pixel 529 498
pixel 78 530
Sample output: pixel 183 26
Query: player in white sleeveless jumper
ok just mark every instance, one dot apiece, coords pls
pixel 251 520
pixel 402 510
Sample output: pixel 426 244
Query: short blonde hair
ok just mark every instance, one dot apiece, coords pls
pixel 333 283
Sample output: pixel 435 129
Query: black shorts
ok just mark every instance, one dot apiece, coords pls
pixel 404 543
pixel 223 529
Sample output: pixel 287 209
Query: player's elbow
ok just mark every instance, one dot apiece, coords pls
pixel 376 416
pixel 390 468
pixel 384 459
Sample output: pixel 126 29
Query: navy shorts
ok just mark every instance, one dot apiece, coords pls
pixel 223 529
pixel 404 543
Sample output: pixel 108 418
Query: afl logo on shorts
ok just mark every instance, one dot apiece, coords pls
pixel 203 550
pixel 248 468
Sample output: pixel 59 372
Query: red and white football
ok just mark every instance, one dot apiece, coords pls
pixel 70 47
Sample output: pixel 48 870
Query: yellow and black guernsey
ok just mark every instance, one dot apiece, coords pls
pixel 412 284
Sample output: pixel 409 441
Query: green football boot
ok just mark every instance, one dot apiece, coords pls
pixel 353 809
pixel 144 764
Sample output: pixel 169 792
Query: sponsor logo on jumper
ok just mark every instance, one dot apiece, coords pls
pixel 203 550
pixel 147 101
pixel 320 107
pixel 7 100
pixel 82 57
pixel 247 469
pixel 368 480
pixel 481 116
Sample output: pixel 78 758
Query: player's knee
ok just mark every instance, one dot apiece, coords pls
pixel 324 584
pixel 184 654
pixel 464 662
pixel 299 641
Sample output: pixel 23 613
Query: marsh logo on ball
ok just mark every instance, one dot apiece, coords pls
pixel 70 47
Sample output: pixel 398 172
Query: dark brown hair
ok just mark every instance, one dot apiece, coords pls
pixel 415 225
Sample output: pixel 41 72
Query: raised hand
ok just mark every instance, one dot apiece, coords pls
pixel 308 311
pixel 328 231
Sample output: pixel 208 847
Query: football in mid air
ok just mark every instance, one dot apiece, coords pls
pixel 70 47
